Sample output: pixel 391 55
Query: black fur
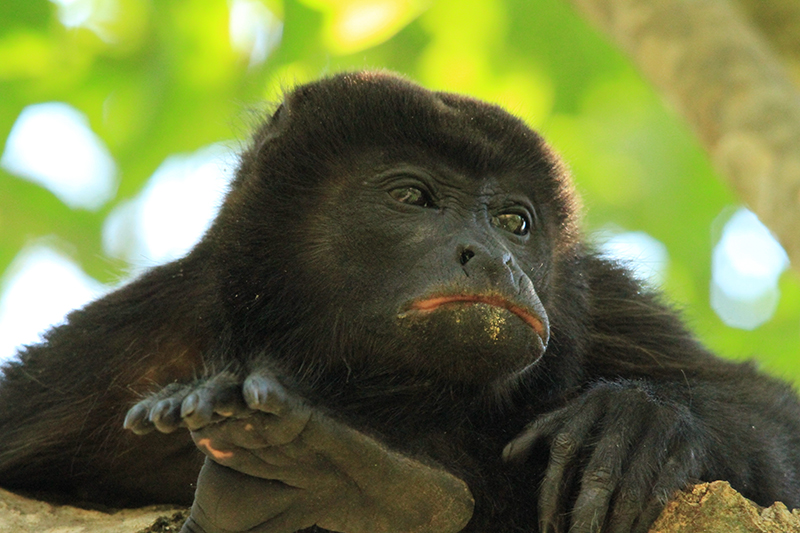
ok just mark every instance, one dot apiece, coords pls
pixel 287 277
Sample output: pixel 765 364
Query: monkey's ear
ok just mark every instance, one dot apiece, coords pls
pixel 280 116
pixel 272 128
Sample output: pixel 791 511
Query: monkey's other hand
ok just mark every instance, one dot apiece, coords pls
pixel 617 453
pixel 276 465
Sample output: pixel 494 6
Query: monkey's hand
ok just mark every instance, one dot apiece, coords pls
pixel 275 465
pixel 618 451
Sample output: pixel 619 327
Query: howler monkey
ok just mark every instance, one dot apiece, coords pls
pixel 393 325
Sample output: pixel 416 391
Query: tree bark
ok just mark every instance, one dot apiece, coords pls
pixel 717 508
pixel 717 70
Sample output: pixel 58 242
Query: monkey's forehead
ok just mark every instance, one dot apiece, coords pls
pixel 383 109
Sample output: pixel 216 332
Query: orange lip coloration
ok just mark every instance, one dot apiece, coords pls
pixel 430 304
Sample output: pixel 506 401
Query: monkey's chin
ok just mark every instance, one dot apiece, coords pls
pixel 471 342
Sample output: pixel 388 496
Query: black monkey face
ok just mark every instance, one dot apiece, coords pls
pixel 438 267
pixel 390 228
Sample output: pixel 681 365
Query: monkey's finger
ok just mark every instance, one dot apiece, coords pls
pixel 674 475
pixel 137 419
pixel 219 397
pixel 664 462
pixel 603 473
pixel 150 413
pixel 263 393
pixel 166 415
pixel 518 450
pixel 641 515
pixel 226 394
pixel 541 429
pixel 635 487
pixel 564 450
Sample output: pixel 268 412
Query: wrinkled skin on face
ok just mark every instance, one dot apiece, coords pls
pixel 451 274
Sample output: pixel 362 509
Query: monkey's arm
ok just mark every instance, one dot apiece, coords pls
pixel 276 465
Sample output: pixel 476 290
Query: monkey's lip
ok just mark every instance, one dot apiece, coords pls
pixel 530 318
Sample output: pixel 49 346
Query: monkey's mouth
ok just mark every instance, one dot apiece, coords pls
pixel 531 318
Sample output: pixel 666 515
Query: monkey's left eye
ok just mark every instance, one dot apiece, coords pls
pixel 411 196
pixel 511 222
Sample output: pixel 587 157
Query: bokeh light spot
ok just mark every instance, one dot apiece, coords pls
pixel 40 287
pixel 644 255
pixel 52 145
pixel 173 211
pixel 745 267
pixel 255 31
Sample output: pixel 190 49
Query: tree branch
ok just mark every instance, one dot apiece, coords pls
pixel 721 74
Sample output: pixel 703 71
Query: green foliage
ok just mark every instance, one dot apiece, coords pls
pixel 160 77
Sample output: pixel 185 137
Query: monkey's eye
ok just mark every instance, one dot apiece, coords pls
pixel 511 222
pixel 411 196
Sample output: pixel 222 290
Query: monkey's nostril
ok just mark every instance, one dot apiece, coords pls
pixel 466 255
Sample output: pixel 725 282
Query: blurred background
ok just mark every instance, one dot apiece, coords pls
pixel 120 121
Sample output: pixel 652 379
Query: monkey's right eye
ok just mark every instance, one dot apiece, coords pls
pixel 411 196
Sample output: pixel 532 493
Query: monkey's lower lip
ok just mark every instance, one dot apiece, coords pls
pixel 431 304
